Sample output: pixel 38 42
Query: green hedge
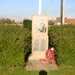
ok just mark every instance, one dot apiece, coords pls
pixel 14 43
pixel 27 23
pixel 62 38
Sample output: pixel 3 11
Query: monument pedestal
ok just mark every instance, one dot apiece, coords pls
pixel 37 56
pixel 37 65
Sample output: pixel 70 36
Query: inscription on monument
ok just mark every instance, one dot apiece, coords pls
pixel 40 43
pixel 43 44
pixel 36 45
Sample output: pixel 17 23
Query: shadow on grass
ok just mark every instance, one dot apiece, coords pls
pixel 42 72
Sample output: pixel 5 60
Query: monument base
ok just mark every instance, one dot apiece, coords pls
pixel 37 56
pixel 37 65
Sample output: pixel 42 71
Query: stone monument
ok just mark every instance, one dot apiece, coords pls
pixel 39 36
pixel 39 42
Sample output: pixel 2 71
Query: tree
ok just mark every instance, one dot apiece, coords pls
pixel 13 21
pixel 6 20
pixel 51 22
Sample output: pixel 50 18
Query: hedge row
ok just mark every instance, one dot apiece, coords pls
pixel 14 43
pixel 62 38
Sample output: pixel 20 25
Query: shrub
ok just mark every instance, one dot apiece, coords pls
pixel 27 23
pixel 62 38
pixel 13 45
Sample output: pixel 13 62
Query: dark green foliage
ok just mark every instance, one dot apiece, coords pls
pixel 13 45
pixel 62 38
pixel 50 22
pixel 27 23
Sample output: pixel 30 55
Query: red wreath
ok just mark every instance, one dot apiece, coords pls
pixel 50 54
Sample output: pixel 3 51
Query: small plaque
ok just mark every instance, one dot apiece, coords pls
pixel 39 43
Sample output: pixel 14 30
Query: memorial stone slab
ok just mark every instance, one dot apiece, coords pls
pixel 39 36
pixel 39 25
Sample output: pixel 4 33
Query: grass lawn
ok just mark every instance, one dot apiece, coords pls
pixel 22 71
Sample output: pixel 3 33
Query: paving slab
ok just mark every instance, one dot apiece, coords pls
pixel 37 65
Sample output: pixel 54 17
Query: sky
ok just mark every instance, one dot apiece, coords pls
pixel 19 10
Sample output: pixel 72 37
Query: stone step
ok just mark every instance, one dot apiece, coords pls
pixel 37 65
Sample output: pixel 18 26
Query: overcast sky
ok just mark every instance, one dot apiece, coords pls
pixel 21 9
